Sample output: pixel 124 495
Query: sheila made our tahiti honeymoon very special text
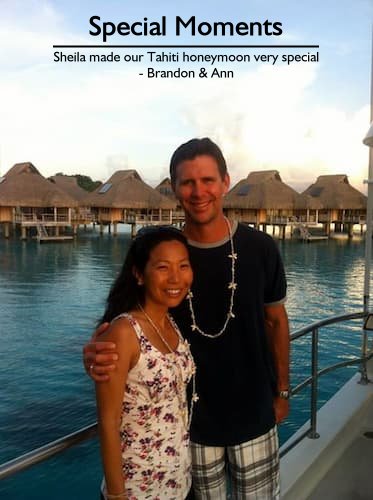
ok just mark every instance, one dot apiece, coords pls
pixel 209 60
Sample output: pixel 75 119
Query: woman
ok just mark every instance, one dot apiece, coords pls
pixel 142 410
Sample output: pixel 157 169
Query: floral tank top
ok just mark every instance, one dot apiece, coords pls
pixel 154 426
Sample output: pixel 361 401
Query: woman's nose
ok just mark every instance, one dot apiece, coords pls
pixel 173 275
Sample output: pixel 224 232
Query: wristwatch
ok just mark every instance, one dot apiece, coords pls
pixel 284 394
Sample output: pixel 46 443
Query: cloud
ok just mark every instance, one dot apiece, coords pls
pixel 88 118
pixel 27 31
pixel 264 121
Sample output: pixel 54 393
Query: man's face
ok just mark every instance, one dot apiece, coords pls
pixel 200 188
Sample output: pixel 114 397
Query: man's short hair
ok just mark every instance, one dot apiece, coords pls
pixel 197 147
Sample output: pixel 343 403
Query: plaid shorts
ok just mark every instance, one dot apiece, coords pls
pixel 252 469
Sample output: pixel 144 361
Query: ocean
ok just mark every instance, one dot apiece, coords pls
pixel 51 296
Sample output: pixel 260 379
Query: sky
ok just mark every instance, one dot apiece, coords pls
pixel 304 119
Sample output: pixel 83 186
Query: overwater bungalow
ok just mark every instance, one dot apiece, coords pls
pixel 262 199
pixel 69 184
pixel 29 200
pixel 126 198
pixel 165 189
pixel 342 204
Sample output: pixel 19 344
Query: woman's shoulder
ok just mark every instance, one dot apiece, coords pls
pixel 120 330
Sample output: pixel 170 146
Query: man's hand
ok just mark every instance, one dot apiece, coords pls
pixel 99 358
pixel 281 407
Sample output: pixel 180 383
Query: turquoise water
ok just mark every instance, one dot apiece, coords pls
pixel 51 295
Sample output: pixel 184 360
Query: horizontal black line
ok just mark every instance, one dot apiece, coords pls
pixel 186 46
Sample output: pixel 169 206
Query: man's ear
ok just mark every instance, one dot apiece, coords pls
pixel 227 183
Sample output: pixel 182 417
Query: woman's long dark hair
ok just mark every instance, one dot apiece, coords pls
pixel 125 293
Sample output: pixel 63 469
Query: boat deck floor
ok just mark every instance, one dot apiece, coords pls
pixel 339 464
pixel 351 477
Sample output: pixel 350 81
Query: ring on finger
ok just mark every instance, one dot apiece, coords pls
pixel 91 367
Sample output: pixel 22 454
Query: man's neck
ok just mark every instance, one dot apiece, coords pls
pixel 211 232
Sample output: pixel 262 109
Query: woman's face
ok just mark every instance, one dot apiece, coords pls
pixel 167 275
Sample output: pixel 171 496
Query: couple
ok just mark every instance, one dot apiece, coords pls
pixel 235 321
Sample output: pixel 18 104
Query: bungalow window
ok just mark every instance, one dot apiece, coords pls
pixel 166 191
pixel 243 190
pixel 316 191
pixel 105 188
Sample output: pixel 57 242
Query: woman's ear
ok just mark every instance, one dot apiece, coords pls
pixel 138 276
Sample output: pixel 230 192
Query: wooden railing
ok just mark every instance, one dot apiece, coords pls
pixel 145 219
pixel 33 219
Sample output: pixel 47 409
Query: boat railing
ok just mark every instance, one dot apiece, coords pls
pixel 43 453
pixel 313 329
pixel 47 451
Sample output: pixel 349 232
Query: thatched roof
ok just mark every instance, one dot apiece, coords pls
pixel 335 192
pixel 123 174
pixel 22 168
pixel 125 189
pixel 24 186
pixel 69 184
pixel 263 190
pixel 305 201
pixel 165 188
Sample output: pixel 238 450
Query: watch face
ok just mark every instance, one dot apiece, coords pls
pixel 284 394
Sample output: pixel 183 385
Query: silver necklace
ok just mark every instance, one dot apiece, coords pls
pixel 180 389
pixel 232 286
pixel 156 329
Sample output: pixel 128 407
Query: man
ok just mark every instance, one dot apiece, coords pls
pixel 236 323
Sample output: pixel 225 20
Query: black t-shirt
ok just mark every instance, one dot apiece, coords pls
pixel 235 377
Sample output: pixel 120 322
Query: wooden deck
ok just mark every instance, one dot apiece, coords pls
pixel 304 233
pixel 54 239
pixel 310 238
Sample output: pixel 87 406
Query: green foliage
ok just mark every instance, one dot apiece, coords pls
pixel 85 182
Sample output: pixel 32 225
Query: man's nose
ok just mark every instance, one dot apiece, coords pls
pixel 197 189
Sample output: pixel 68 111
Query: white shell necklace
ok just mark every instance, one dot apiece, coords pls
pixel 232 286
pixel 181 386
